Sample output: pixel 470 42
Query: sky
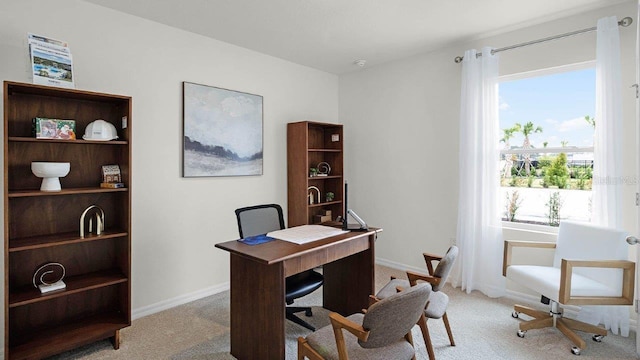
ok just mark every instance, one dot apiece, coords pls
pixel 556 102
pixel 220 117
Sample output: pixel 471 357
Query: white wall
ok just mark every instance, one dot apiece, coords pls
pixel 401 124
pixel 176 221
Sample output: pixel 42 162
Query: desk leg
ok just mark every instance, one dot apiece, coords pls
pixel 257 309
pixel 349 281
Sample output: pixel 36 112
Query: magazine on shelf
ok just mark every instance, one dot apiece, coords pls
pixel 51 61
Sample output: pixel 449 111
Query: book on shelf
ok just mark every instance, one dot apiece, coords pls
pixel 111 185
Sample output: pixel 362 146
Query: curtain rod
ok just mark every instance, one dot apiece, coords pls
pixel 624 22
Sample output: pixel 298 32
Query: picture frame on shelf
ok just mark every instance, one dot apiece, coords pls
pixel 222 132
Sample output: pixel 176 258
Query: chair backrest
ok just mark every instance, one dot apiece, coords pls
pixel 392 318
pixel 584 241
pixel 259 219
pixel 444 267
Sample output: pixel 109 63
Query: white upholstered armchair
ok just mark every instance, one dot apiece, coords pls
pixel 590 267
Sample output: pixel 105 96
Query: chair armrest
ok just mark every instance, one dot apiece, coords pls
pixel 429 258
pixel 372 300
pixel 340 322
pixel 510 244
pixel 628 281
pixel 414 277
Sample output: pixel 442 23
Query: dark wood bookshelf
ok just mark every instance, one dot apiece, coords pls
pixel 308 144
pixel 43 241
pixel 43 227
pixel 29 294
pixel 50 341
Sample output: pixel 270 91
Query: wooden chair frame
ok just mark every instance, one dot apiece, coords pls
pixel 566 326
pixel 414 277
pixel 566 271
pixel 339 322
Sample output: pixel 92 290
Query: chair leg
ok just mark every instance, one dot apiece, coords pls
pixel 536 324
pixel 305 350
pixel 531 312
pixel 448 327
pixel 409 338
pixel 565 325
pixel 422 322
pixel 290 315
pixel 577 340
pixel 580 326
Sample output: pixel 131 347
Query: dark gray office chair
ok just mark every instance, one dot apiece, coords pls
pixel 260 219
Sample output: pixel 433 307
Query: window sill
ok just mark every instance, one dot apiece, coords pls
pixel 532 228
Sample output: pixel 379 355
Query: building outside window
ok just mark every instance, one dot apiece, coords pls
pixel 547 128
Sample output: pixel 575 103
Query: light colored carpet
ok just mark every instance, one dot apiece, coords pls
pixel 482 328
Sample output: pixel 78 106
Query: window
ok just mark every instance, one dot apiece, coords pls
pixel 547 126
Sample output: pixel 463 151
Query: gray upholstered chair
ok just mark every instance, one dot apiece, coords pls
pixel 382 332
pixel 438 301
pixel 590 267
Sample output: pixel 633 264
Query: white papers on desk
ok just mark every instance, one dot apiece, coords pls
pixel 306 233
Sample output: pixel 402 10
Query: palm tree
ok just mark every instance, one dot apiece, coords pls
pixel 564 143
pixel 508 133
pixel 527 130
pixel 590 120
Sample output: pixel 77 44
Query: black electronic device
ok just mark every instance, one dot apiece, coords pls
pixel 361 225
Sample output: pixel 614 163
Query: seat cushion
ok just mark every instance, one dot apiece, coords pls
pixel 324 342
pixel 437 305
pixel 545 280
pixel 390 288
pixel 302 284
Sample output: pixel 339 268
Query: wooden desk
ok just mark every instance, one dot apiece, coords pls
pixel 258 275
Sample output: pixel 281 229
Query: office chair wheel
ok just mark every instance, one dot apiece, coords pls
pixel 521 333
pixel 597 338
pixel 515 314
pixel 575 350
pixel 308 312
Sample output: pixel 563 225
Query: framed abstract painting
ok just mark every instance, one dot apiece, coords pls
pixel 222 132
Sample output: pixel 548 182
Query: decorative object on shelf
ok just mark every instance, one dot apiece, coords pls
pixel 100 130
pixel 324 169
pixel 51 61
pixel 111 174
pixel 52 270
pixel 44 128
pixel 313 172
pixel 111 177
pixel 310 195
pixel 222 132
pixel 50 172
pixel 94 211
pixel 324 216
pixel 329 196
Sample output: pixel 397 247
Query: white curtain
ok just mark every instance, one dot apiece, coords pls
pixel 607 168
pixel 479 232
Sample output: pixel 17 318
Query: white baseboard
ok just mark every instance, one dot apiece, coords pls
pixel 178 300
pixel 398 266
pixel 524 299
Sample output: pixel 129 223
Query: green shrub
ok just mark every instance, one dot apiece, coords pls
pixel 554 205
pixel 513 203
pixel 557 173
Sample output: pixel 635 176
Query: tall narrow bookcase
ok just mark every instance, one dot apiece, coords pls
pixel 309 145
pixel 43 227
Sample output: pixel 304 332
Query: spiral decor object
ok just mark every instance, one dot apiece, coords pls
pixel 324 169
pixel 54 272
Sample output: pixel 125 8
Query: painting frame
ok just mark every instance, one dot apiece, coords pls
pixel 222 132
